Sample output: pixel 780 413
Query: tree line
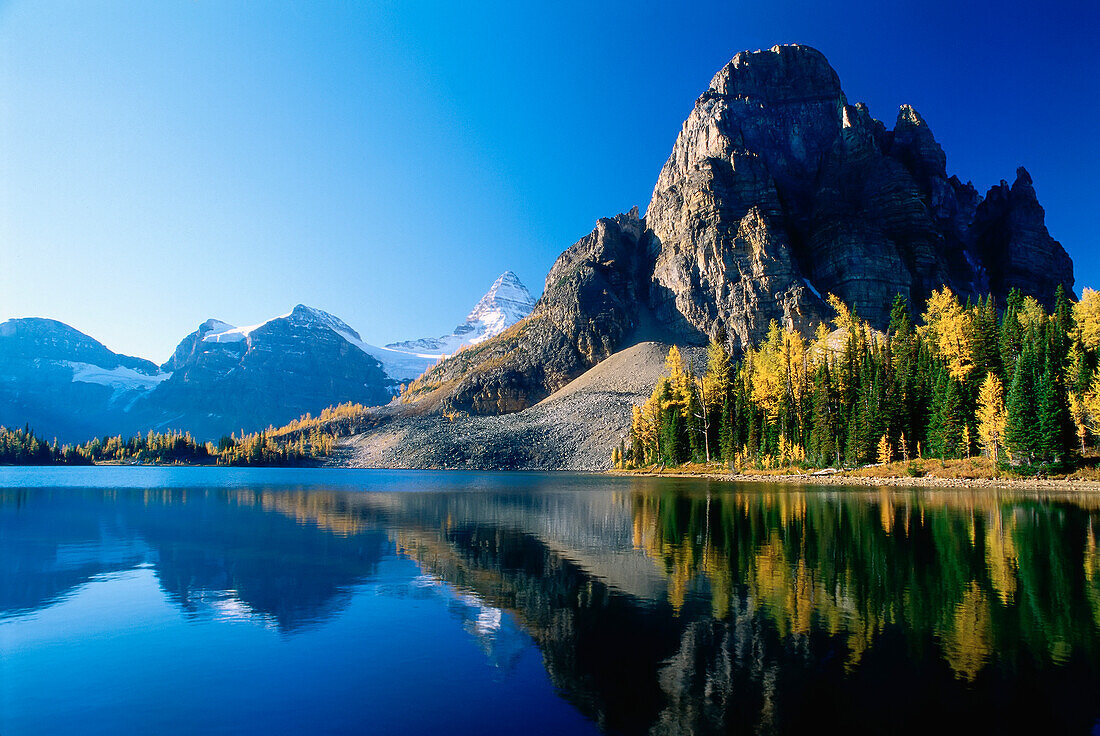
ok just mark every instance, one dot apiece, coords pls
pixel 1013 382
pixel 303 441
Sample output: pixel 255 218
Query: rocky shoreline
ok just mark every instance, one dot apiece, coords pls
pixel 927 481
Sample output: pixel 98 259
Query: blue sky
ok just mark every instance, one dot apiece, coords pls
pixel 166 162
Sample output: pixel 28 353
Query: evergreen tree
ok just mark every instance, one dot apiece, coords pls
pixel 1012 333
pixel 726 441
pixel 823 442
pixel 1022 417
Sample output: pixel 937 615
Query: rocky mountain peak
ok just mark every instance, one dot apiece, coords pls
pixel 313 317
pixel 214 326
pixel 507 299
pixel 784 73
pixel 776 193
pixel 505 303
pixel 914 145
pixel 39 338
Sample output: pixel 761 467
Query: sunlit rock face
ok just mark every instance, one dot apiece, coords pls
pixel 777 192
pixel 777 187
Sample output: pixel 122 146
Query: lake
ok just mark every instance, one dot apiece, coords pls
pixel 241 601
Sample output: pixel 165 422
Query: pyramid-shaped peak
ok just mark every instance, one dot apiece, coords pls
pixel 312 315
pixel 507 288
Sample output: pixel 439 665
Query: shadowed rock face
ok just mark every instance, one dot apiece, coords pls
pixel 64 384
pixel 289 366
pixel 777 192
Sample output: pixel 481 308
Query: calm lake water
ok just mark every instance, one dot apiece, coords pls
pixel 200 600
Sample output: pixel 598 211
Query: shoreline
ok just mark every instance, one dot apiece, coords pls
pixel 840 479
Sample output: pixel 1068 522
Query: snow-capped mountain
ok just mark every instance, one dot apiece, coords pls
pixel 221 378
pixel 65 384
pixel 506 303
pixel 226 378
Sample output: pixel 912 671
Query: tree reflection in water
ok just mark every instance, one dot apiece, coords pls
pixel 658 606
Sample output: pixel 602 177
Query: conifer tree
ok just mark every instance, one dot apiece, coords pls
pixel 727 443
pixel 1012 334
pixel 1022 417
pixel 823 442
pixel 952 420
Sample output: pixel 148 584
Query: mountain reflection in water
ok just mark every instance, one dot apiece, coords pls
pixel 657 605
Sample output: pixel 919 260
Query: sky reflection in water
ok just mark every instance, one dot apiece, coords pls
pixel 147 600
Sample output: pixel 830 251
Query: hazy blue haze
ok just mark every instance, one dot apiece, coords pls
pixel 167 162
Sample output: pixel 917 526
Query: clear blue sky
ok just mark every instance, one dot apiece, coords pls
pixel 165 162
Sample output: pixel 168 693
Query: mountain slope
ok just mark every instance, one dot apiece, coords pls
pixel 226 378
pixel 63 383
pixel 572 429
pixel 220 378
pixel 776 192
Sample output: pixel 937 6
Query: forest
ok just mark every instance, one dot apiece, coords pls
pixel 303 441
pixel 1013 382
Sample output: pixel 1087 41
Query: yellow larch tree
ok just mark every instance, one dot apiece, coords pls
pixel 947 328
pixel 844 319
pixel 767 372
pixel 991 415
pixel 680 380
pixel 1086 318
pixel 1091 402
pixel 1032 313
pixel 885 451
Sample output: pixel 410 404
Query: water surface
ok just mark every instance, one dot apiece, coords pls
pixel 188 600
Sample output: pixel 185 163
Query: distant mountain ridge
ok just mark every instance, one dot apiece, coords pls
pixel 221 378
pixel 66 384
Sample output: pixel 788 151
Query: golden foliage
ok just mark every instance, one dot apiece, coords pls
pixel 885 451
pixel 1091 405
pixel 844 319
pixel 991 415
pixel 716 380
pixel 947 327
pixel 1086 317
pixel 1032 314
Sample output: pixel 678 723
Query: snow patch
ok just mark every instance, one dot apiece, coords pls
pixel 399 365
pixel 120 378
pixel 506 303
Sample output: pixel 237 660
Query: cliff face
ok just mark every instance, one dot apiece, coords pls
pixel 776 193
pixel 588 309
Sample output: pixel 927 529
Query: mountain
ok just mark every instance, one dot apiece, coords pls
pixel 225 378
pixel 777 191
pixel 64 383
pixel 221 378
pixel 506 303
